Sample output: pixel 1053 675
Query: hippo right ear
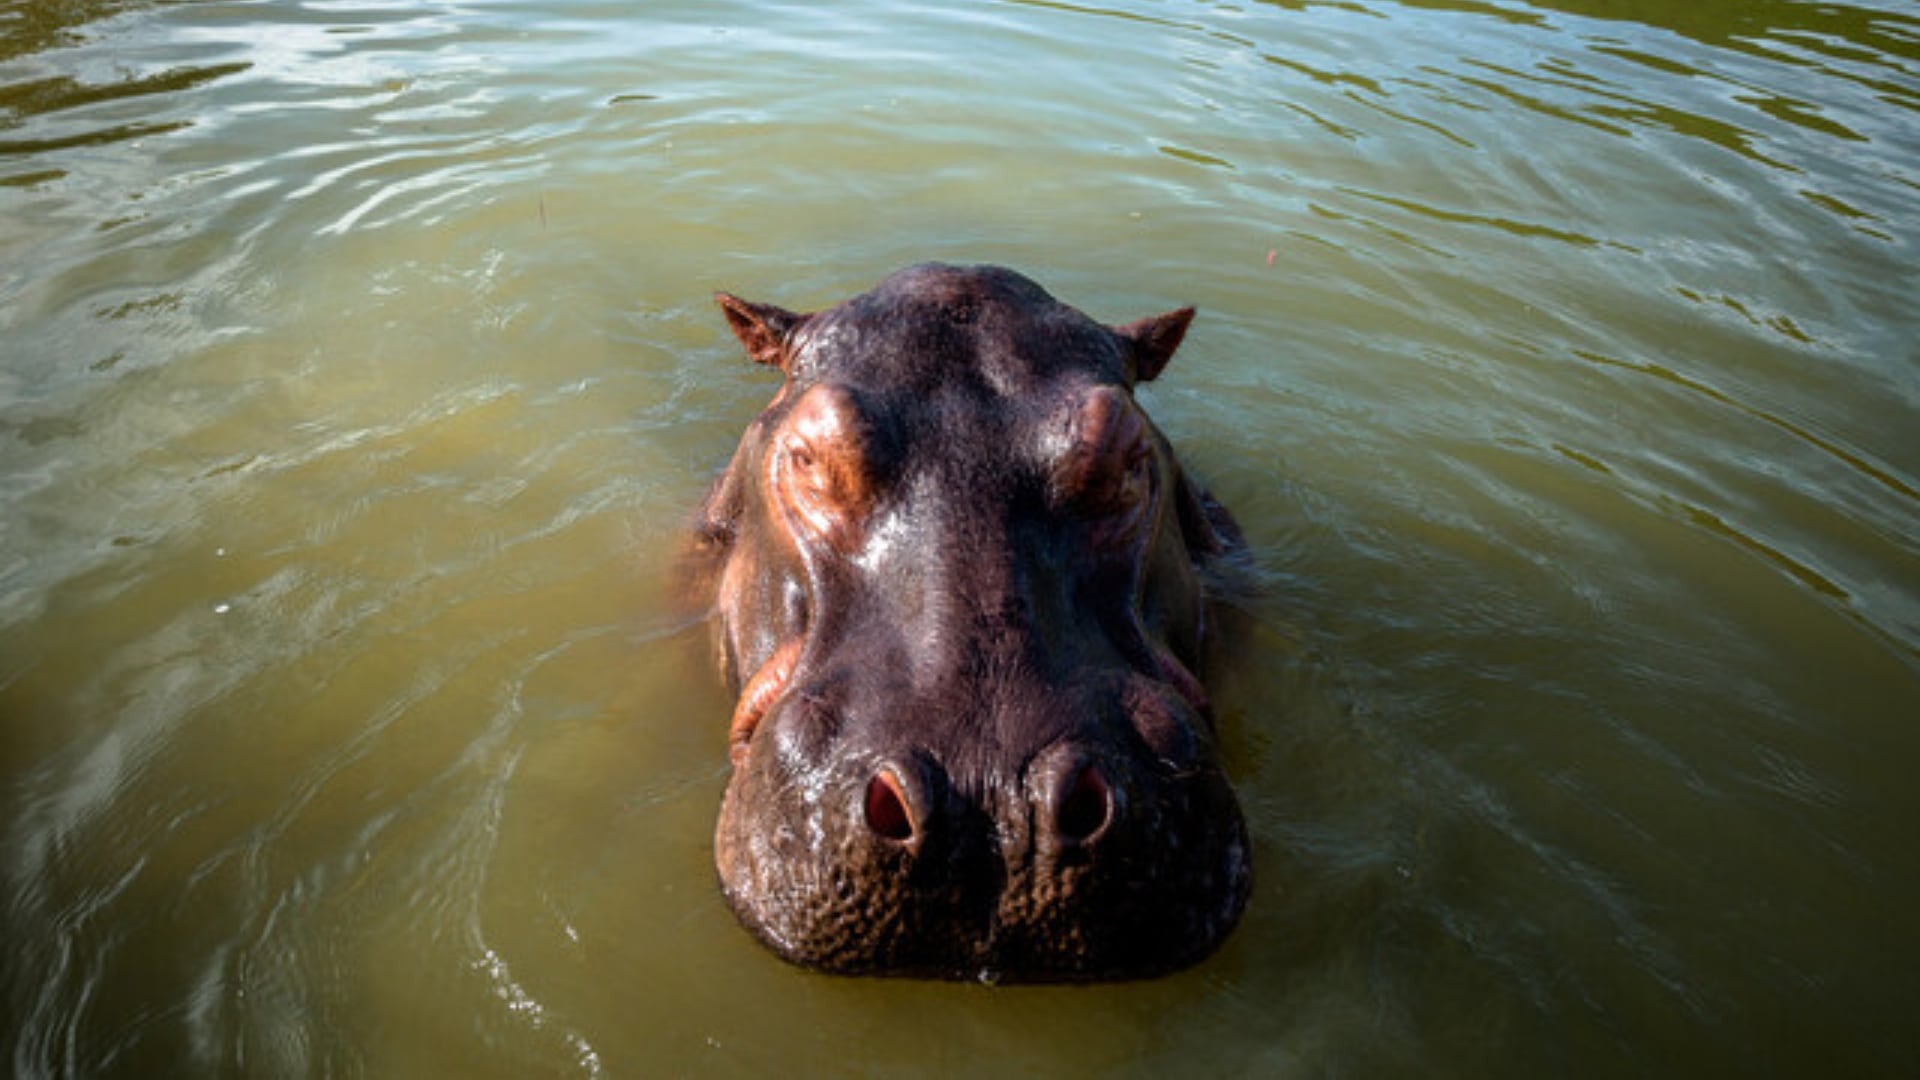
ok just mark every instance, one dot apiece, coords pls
pixel 763 329
pixel 1150 342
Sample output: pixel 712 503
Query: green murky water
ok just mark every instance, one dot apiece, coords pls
pixel 357 370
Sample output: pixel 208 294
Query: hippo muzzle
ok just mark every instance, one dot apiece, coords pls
pixel 961 584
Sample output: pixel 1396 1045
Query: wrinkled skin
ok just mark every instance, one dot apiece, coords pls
pixel 961 584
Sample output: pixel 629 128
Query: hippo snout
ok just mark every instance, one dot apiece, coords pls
pixel 1088 857
pixel 961 584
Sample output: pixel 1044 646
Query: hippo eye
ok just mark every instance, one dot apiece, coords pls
pixel 822 480
pixel 1116 482
pixel 821 487
pixel 1107 471
pixel 1136 479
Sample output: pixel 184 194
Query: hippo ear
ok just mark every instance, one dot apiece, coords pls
pixel 1150 342
pixel 763 329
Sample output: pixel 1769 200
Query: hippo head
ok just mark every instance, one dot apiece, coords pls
pixel 959 582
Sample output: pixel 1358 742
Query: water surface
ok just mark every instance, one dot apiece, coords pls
pixel 358 370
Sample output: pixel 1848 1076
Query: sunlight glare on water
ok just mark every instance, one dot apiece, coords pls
pixel 359 372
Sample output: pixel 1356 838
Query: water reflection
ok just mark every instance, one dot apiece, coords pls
pixel 1880 33
pixel 357 371
pixel 27 28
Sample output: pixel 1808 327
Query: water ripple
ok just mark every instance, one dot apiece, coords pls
pixel 357 374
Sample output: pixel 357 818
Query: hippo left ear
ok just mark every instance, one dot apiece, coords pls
pixel 1150 342
pixel 763 329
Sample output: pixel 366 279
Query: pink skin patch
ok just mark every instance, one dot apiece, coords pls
pixel 758 696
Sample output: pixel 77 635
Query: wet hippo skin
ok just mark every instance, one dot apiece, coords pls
pixel 962 586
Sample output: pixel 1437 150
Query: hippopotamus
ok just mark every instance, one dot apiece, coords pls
pixel 961 586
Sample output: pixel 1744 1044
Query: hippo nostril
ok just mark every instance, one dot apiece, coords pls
pixel 1085 806
pixel 888 814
